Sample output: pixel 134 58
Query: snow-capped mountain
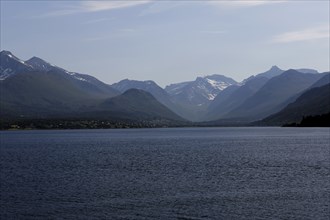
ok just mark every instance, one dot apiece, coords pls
pixel 40 64
pixel 10 65
pixel 202 90
pixel 196 95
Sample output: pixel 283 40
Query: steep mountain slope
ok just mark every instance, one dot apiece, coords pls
pixel 223 96
pixel 40 65
pixel 10 65
pixel 151 87
pixel 222 105
pixel 176 88
pixel 137 104
pixel 276 71
pixel 273 71
pixel 200 91
pixel 82 80
pixel 323 81
pixel 187 99
pixel 42 94
pixel 315 101
pixel 273 95
pixel 148 86
pixel 35 88
pixel 195 96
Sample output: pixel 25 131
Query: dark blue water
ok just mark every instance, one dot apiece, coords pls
pixel 185 173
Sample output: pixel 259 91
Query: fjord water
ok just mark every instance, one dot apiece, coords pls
pixel 178 173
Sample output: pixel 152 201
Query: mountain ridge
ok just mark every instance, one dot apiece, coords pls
pixel 36 88
pixel 272 96
pixel 314 101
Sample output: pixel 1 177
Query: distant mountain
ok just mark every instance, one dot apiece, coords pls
pixel 273 95
pixel 223 96
pixel 315 101
pixel 233 96
pixel 273 71
pixel 148 86
pixel 151 87
pixel 41 65
pixel 305 70
pixel 137 104
pixel 323 81
pixel 10 65
pixel 186 99
pixel 176 88
pixel 36 88
pixel 276 71
pixel 42 94
pixel 195 96
pixel 202 90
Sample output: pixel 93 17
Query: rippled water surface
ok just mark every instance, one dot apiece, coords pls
pixel 183 173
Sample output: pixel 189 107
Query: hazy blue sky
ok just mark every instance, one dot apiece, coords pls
pixel 169 41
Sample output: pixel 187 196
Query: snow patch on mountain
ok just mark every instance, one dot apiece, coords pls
pixel 9 66
pixel 5 73
pixel 201 91
pixel 218 85
pixel 210 86
pixel 211 96
pixel 175 88
pixel 76 76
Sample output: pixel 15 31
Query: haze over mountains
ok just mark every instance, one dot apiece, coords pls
pixel 37 89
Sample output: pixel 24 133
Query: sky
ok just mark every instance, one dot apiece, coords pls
pixel 169 41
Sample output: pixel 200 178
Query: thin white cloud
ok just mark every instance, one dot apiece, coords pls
pixel 243 3
pixel 95 6
pixel 91 6
pixel 303 35
pixel 161 6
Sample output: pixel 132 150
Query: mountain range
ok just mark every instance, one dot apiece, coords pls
pixel 314 101
pixel 36 89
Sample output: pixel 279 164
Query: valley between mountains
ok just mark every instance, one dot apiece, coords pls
pixel 37 94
